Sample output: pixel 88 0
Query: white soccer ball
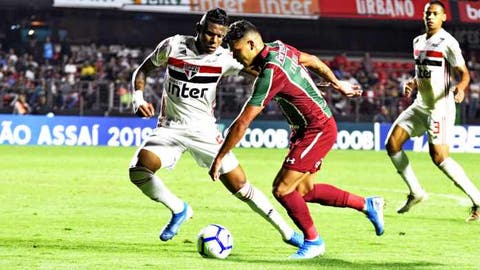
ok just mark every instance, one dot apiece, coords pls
pixel 214 241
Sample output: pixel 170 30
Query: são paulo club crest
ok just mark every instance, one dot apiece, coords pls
pixel 422 55
pixel 190 70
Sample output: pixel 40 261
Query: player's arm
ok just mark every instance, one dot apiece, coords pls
pixel 157 58
pixel 409 86
pixel 464 80
pixel 235 134
pixel 139 78
pixel 320 68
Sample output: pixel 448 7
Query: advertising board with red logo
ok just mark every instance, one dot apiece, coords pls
pixel 376 9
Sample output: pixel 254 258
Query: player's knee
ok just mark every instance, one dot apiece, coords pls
pixel 149 160
pixel 437 159
pixel 140 175
pixel 246 192
pixel 392 146
pixel 279 191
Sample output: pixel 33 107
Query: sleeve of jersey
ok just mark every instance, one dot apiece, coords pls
pixel 263 89
pixel 294 51
pixel 160 55
pixel 231 65
pixel 454 54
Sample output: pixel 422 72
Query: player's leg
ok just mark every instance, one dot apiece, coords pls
pixel 235 181
pixel 440 156
pixel 330 195
pixel 401 130
pixel 284 190
pixel 439 137
pixel 143 166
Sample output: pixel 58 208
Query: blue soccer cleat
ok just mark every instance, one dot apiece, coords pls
pixel 374 213
pixel 296 240
pixel 171 229
pixel 310 249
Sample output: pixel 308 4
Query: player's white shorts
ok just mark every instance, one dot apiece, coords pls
pixel 169 143
pixel 438 123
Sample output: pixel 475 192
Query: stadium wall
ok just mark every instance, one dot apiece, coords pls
pixel 129 131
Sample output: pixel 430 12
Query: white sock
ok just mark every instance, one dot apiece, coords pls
pixel 456 173
pixel 152 186
pixel 260 204
pixel 401 163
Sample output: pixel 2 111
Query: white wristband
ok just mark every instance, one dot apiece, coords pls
pixel 138 100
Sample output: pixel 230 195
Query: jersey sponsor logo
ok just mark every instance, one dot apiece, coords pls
pixel 423 72
pixel 282 53
pixel 181 89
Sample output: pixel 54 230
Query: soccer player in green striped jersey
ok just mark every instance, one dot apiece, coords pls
pixel 283 77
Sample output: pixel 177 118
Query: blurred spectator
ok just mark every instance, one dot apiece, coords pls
pixel 48 50
pixel 20 105
pixel 383 115
pixel 474 96
pixel 87 72
pixel 124 96
pixel 41 106
pixel 68 96
pixel 70 70
pixel 339 61
pixel 367 63
pixel 369 102
pixel 472 62
pixel 65 48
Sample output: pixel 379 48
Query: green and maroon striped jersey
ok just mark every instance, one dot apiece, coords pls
pixel 286 81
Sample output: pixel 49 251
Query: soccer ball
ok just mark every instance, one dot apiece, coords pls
pixel 214 241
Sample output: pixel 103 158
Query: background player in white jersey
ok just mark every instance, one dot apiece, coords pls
pixel 436 54
pixel 194 66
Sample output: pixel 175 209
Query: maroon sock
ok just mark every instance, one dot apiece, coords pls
pixel 297 210
pixel 329 195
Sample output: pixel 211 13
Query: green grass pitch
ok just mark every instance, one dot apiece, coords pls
pixel 74 208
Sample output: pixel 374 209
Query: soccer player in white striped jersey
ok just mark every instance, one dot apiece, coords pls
pixel 437 55
pixel 194 66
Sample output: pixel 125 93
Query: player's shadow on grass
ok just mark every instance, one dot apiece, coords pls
pixel 331 263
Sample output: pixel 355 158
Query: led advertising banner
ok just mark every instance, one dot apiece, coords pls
pixel 376 9
pixel 469 11
pixel 298 9
pixel 131 131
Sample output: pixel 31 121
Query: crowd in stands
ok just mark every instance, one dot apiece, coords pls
pixel 60 78
pixel 47 77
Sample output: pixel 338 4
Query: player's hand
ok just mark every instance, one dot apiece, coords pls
pixel 145 110
pixel 459 95
pixel 349 90
pixel 214 171
pixel 140 106
pixel 408 88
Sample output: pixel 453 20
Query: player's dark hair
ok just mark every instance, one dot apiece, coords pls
pixel 437 2
pixel 217 16
pixel 238 29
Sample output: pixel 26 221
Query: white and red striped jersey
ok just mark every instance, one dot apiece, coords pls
pixel 434 61
pixel 191 79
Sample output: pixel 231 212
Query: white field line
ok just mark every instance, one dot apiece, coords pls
pixel 461 200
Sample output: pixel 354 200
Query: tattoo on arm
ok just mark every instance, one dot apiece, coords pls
pixel 140 81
